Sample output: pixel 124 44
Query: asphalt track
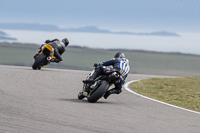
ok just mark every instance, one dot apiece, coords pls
pixel 46 102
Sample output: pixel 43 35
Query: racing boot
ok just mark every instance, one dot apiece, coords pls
pixel 112 91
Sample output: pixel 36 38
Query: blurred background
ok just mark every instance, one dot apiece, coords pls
pixel 158 27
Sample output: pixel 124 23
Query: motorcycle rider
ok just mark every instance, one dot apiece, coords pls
pixel 120 63
pixel 59 48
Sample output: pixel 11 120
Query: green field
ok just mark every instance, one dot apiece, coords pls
pixel 82 58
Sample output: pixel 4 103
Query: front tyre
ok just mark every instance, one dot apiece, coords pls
pixel 99 92
pixel 38 61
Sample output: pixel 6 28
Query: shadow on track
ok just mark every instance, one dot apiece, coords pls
pixel 85 101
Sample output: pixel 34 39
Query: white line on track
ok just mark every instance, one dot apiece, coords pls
pixel 130 90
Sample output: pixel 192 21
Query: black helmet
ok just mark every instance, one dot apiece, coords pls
pixel 119 55
pixel 65 41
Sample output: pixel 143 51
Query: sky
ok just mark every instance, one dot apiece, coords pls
pixel 114 14
pixel 180 16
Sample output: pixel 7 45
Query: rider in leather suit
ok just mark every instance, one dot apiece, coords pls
pixel 120 63
pixel 59 48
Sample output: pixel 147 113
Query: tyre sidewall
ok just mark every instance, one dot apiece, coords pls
pixel 95 96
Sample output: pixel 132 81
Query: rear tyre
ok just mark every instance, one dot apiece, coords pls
pixel 95 96
pixel 38 61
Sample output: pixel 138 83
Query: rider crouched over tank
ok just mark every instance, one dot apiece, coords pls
pixel 119 63
pixel 58 49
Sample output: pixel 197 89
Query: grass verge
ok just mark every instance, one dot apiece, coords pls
pixel 183 92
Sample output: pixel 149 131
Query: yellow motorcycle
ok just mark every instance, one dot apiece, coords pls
pixel 44 57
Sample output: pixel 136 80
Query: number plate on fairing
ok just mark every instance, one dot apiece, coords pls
pixel 85 94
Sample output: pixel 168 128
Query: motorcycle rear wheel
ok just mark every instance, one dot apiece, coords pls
pixel 38 61
pixel 95 96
